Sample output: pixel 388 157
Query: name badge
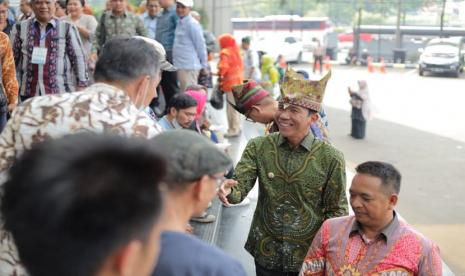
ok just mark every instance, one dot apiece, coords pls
pixel 39 55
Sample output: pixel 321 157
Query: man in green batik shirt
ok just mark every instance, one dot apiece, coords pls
pixel 116 23
pixel 301 181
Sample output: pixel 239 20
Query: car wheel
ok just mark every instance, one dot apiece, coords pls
pixel 420 72
pixel 456 74
pixel 299 58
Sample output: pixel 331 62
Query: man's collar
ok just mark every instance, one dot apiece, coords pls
pixel 147 15
pixel 185 17
pixel 306 142
pixel 52 22
pixel 125 14
pixel 387 232
pixel 170 9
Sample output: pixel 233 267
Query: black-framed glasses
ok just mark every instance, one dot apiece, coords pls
pixel 247 118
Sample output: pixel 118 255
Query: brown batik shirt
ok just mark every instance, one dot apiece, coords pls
pixel 100 108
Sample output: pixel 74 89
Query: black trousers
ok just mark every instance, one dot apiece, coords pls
pixel 317 59
pixel 169 82
pixel 262 271
pixel 358 129
pixel 169 85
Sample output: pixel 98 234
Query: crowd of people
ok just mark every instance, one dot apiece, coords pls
pixel 96 179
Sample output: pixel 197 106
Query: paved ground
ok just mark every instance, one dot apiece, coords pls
pixel 431 162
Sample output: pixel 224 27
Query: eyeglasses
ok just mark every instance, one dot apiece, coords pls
pixel 247 118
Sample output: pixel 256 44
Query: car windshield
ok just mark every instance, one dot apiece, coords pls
pixel 442 48
pixel 443 43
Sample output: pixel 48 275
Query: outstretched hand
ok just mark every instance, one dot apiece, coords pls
pixel 225 190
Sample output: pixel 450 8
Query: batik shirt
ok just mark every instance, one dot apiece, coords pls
pixel 298 189
pixel 340 248
pixel 8 77
pixel 100 108
pixel 112 26
pixel 65 66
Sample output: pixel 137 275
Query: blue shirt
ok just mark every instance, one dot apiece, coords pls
pixel 150 24
pixel 189 49
pixel 165 28
pixel 185 255
pixel 166 124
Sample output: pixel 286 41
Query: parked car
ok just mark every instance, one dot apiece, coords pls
pixel 290 47
pixel 443 55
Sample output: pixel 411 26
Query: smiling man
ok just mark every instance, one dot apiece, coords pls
pixel 301 181
pixel 48 54
pixel 375 241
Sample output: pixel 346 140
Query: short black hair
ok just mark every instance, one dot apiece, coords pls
pixel 69 203
pixel 181 101
pixel 83 2
pixel 126 59
pixel 62 3
pixel 389 175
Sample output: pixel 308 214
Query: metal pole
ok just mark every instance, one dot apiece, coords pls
pixel 214 23
pixel 357 33
pixel 398 35
pixel 442 17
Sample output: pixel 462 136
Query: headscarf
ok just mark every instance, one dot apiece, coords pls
pixel 269 70
pixel 228 44
pixel 364 94
pixel 201 99
pixel 230 66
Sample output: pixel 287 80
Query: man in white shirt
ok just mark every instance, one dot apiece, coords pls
pixel 251 61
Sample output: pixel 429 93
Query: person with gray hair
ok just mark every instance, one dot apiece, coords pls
pixel 195 168
pixel 126 75
pixel 48 53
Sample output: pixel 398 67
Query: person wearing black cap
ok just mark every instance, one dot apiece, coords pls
pixel 195 169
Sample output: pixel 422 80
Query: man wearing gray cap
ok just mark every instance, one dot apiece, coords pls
pixel 194 171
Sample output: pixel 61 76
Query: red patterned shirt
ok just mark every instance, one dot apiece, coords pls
pixel 340 248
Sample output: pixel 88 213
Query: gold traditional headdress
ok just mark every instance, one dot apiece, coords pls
pixel 305 93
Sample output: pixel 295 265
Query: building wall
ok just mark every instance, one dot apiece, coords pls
pixel 218 13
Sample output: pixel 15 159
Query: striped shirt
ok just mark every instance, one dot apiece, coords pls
pixel 65 66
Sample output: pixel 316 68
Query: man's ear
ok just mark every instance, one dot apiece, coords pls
pixel 125 258
pixel 199 188
pixel 393 201
pixel 314 116
pixel 256 108
pixel 173 111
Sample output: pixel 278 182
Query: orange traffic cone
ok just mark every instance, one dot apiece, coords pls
pixel 382 67
pixel 370 65
pixel 317 66
pixel 327 64
pixel 282 63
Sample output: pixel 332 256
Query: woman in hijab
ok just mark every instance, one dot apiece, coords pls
pixel 270 76
pixel 361 109
pixel 230 71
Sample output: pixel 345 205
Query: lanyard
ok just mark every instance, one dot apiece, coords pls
pixel 42 37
